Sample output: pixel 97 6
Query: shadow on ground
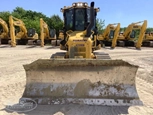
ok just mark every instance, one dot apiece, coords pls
pixel 53 47
pixel 5 46
pixel 133 48
pixel 32 46
pixel 75 109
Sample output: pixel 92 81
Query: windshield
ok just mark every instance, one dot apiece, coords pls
pixel 88 15
pixel 69 19
pixel 79 19
pixel 132 35
pixel 111 34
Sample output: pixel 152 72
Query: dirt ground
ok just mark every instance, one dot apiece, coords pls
pixel 12 81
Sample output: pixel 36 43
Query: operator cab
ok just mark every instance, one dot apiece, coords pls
pixel 111 34
pixel 78 17
pixel 133 33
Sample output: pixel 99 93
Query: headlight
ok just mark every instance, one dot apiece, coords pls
pixel 85 4
pixel 79 4
pixel 73 4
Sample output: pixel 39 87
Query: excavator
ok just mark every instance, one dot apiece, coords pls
pixel 110 34
pixel 148 39
pixel 128 38
pixel 24 36
pixel 4 33
pixel 46 34
pixel 80 74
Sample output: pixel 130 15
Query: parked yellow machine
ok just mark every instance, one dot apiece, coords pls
pixel 46 33
pixel 24 36
pixel 110 35
pixel 4 33
pixel 148 39
pixel 81 75
pixel 128 36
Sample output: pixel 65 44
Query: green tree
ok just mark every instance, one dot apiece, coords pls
pixel 122 29
pixel 100 25
pixel 32 18
pixel 5 16
pixel 149 30
pixel 19 12
pixel 56 22
pixel 32 24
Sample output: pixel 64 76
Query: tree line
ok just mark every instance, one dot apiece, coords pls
pixel 31 20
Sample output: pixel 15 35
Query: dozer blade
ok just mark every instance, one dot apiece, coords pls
pixel 93 82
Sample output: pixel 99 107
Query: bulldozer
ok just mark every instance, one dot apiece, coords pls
pixel 4 32
pixel 79 74
pixel 46 35
pixel 110 35
pixel 128 38
pixel 24 36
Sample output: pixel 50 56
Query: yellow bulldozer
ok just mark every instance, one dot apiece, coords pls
pixel 128 38
pixel 110 35
pixel 24 36
pixel 47 35
pixel 4 32
pixel 80 74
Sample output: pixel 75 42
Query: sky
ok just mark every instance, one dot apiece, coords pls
pixel 112 11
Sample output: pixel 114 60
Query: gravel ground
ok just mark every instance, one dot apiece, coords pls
pixel 12 81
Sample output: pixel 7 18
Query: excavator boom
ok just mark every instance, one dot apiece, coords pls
pixel 46 33
pixel 110 34
pixel 4 26
pixel 129 34
pixel 141 35
pixel 4 34
pixel 23 35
